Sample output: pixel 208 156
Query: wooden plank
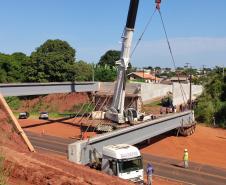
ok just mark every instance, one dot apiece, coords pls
pixel 16 123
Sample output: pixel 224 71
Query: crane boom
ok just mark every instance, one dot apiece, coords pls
pixel 116 111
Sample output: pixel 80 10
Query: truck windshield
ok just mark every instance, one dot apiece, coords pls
pixel 130 165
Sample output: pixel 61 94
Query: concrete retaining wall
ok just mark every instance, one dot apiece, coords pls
pixel 148 91
pixel 181 93
pixel 108 87
pixel 153 91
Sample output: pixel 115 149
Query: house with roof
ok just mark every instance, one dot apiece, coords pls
pixel 175 79
pixel 143 76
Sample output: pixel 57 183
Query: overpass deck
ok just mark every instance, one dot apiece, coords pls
pixel 25 89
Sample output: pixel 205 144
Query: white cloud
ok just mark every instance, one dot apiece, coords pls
pixel 200 50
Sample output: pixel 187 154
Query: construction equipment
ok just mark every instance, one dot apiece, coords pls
pixel 117 113
pixel 106 150
pixel 124 161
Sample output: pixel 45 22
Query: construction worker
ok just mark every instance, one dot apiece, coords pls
pixel 185 158
pixel 150 171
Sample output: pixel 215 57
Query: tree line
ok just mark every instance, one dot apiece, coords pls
pixel 211 106
pixel 55 61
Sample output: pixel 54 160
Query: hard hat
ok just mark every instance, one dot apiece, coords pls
pixel 185 150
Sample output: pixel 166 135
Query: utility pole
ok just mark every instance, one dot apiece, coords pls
pixel 190 93
pixel 93 72
pixel 143 74
pixel 203 67
pixel 190 87
pixel 223 70
pixel 187 64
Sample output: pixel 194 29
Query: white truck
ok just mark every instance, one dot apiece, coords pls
pixel 124 161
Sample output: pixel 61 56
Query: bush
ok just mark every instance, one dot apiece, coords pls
pixel 221 116
pixel 13 102
pixel 204 112
pixel 212 103
pixel 167 101
pixel 3 176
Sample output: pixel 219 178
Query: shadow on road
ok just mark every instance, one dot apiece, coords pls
pixel 62 120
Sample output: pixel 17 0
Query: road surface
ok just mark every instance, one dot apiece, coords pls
pixel 198 174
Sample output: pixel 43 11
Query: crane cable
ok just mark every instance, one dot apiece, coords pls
pixel 172 57
pixel 157 8
pixel 142 34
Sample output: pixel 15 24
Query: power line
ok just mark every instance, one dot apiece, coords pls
pixel 171 54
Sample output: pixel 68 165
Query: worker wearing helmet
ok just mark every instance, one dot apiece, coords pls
pixel 185 158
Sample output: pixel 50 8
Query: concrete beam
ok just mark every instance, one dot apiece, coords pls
pixel 82 152
pixel 25 89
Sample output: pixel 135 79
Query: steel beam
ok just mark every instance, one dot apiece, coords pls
pixel 85 151
pixel 25 89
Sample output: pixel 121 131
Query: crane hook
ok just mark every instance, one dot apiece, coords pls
pixel 158 4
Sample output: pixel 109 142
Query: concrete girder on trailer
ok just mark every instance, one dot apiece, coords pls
pixel 25 89
pixel 86 151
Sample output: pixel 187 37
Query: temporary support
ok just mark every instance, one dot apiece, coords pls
pixel 16 124
pixel 87 151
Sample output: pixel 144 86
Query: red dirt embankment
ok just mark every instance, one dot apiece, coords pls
pixel 55 102
pixel 35 168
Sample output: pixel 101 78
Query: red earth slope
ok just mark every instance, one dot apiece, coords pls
pixel 35 168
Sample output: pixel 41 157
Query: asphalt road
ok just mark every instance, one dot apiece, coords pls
pixel 198 174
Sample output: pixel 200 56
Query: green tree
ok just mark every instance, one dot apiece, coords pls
pixel 105 73
pixel 84 71
pixel 109 58
pixel 11 67
pixel 51 61
pixel 212 103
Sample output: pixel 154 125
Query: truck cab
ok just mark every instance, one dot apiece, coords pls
pixel 124 161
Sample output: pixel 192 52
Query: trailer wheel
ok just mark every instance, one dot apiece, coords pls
pixel 187 131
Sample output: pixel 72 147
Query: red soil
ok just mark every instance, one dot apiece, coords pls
pixel 36 168
pixel 55 128
pixel 55 102
pixel 26 168
pixel 206 145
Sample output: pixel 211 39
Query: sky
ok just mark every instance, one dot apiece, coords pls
pixel 196 29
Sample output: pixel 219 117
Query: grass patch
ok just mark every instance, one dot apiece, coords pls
pixel 35 115
pixel 53 113
pixel 154 104
pixel 13 102
pixel 82 108
pixel 3 174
